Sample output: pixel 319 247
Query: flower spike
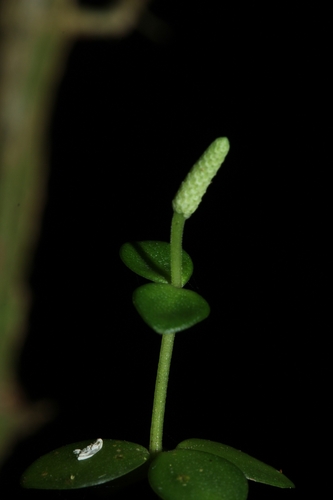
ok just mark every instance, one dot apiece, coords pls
pixel 199 177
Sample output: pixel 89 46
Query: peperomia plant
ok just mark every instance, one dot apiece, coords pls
pixel 196 468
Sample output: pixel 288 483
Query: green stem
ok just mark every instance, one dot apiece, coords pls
pixel 163 369
pixel 177 228
pixel 161 385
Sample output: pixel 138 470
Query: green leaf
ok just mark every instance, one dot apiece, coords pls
pixel 194 475
pixel 252 468
pixel 61 470
pixel 167 309
pixel 151 259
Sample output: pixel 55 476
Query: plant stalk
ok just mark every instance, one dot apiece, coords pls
pixel 161 385
pixel 163 369
pixel 177 229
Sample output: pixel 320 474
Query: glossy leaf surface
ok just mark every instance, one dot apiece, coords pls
pixel 167 309
pixel 151 259
pixel 61 470
pixel 252 468
pixel 194 475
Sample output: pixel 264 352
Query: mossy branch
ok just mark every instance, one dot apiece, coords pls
pixel 36 39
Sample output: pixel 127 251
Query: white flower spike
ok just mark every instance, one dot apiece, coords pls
pixel 199 177
pixel 89 451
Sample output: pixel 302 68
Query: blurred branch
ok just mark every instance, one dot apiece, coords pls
pixel 117 21
pixel 36 39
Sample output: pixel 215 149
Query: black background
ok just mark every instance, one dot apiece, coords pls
pixel 131 117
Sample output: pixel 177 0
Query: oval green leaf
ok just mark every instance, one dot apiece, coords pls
pixel 151 259
pixel 194 475
pixel 167 309
pixel 253 469
pixel 61 470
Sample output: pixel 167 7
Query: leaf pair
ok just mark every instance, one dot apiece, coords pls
pixel 203 470
pixel 165 308
pixel 196 469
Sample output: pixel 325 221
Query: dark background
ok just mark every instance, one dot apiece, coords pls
pixel 131 117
